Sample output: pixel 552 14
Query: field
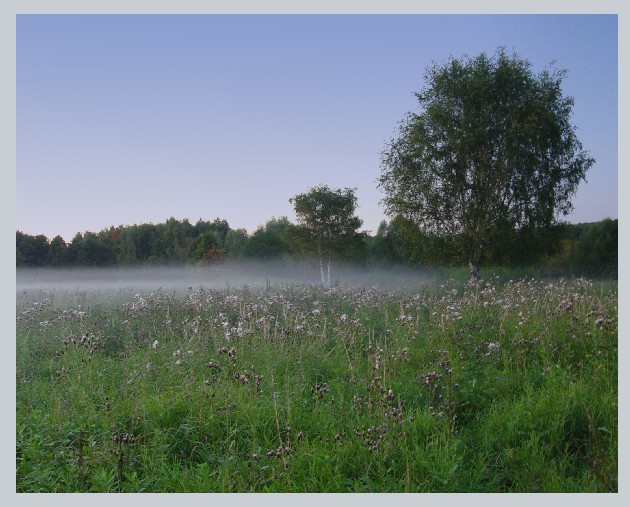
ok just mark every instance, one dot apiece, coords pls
pixel 505 386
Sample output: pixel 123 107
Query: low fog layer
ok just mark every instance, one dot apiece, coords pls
pixel 234 275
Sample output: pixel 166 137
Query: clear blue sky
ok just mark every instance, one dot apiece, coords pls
pixel 126 119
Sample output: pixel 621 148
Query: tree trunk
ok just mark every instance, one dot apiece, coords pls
pixel 321 268
pixel 474 271
pixel 328 274
pixel 474 263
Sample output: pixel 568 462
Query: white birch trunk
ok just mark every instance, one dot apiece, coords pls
pixel 328 274
pixel 321 269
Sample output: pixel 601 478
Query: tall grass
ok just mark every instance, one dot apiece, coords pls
pixel 502 386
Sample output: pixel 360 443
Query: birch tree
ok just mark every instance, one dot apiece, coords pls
pixel 492 147
pixel 328 216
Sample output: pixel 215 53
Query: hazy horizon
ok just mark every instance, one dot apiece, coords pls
pixel 229 275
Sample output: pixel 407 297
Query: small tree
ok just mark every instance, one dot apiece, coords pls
pixel 492 148
pixel 328 216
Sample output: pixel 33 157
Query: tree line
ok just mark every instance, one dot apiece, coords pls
pixel 589 249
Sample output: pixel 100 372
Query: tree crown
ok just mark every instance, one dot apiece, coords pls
pixel 327 213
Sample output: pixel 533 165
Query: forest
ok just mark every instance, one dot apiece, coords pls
pixel 581 249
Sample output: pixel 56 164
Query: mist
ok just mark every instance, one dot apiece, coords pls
pixel 181 279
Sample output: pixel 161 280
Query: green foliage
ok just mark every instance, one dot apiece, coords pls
pixel 526 246
pixel 278 225
pixel 235 241
pixel 139 243
pixel 300 241
pixel 57 251
pixel 492 149
pixel 327 213
pixel 96 250
pixel 265 244
pixel 177 238
pixel 218 227
pixel 31 250
pixel 595 253
pixel 205 248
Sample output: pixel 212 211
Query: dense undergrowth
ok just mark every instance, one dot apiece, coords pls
pixel 497 387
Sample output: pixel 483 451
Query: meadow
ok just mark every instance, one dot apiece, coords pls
pixel 502 386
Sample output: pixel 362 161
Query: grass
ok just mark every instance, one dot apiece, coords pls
pixel 507 386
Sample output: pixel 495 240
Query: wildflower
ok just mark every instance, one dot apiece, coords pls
pixel 155 344
pixel 493 347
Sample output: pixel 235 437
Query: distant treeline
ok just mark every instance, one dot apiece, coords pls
pixel 589 249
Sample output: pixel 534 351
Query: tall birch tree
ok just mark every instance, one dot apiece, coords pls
pixel 492 147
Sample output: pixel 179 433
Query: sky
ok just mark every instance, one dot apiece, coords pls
pixel 125 119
